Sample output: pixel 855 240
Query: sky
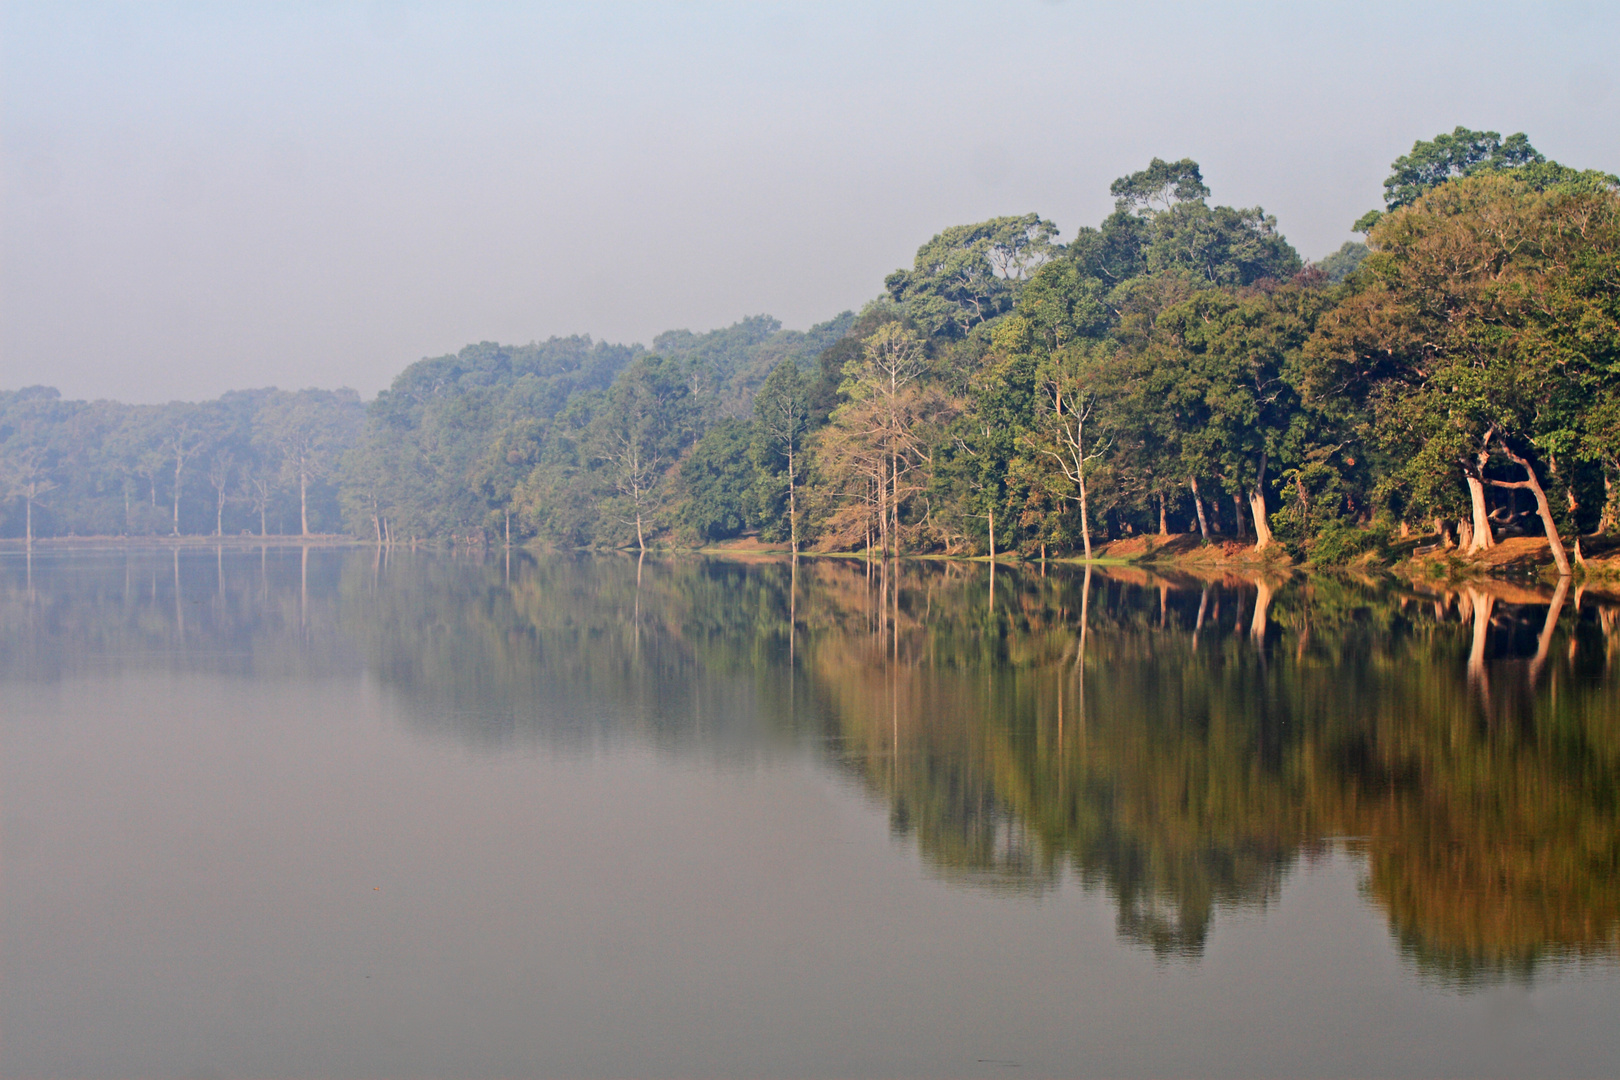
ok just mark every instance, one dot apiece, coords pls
pixel 202 197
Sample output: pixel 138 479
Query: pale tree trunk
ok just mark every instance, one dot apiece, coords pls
pixel 1085 517
pixel 303 501
pixel 1543 508
pixel 28 515
pixel 1257 504
pixel 1480 537
pixel 641 542
pixel 1481 540
pixel 883 514
pixel 177 496
pixel 894 498
pixel 793 506
pixel 1198 504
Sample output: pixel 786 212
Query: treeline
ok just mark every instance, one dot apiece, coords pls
pixel 1176 368
pixel 259 461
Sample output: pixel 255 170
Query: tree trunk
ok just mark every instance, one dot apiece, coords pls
pixel 1198 504
pixel 1237 516
pixel 219 513
pixel 1544 509
pixel 509 530
pixel 29 516
pixel 1607 520
pixel 793 507
pixel 883 514
pixel 1164 528
pixel 894 497
pixel 991 519
pixel 177 497
pixel 1085 518
pixel 641 542
pixel 1257 503
pixel 303 501
pixel 1482 538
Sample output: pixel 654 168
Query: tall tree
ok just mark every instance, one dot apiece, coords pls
pixel 781 421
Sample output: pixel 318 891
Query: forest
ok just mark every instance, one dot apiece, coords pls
pixel 1176 369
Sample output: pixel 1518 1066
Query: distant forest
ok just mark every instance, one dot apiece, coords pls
pixel 1176 368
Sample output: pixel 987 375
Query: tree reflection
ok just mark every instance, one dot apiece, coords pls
pixel 1177 743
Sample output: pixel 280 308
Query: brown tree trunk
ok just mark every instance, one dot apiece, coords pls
pixel 1164 527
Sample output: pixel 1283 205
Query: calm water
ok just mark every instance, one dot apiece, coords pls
pixel 275 813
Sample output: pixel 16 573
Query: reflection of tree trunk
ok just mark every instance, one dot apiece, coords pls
pixel 1544 643
pixel 1085 621
pixel 1481 604
pixel 1262 606
pixel 1203 605
pixel 1198 504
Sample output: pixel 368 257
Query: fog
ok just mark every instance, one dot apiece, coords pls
pixel 199 198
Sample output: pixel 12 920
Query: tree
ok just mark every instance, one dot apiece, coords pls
pixel 26 474
pixel 220 470
pixel 720 496
pixel 1446 157
pixel 309 431
pixel 1068 402
pixel 781 421
pixel 971 274
pixel 186 434
pixel 650 418
pixel 1483 330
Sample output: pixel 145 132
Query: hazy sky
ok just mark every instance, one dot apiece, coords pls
pixel 199 197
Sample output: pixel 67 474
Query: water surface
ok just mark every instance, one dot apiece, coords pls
pixel 345 813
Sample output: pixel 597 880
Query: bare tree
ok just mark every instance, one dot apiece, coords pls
pixel 1066 408
pixel 184 438
pixel 219 476
pixel 26 476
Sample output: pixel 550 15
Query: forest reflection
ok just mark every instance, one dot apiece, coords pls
pixel 1178 743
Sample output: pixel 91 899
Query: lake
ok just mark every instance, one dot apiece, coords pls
pixel 346 813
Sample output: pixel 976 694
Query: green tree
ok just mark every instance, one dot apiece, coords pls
pixel 971 274
pixel 781 422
